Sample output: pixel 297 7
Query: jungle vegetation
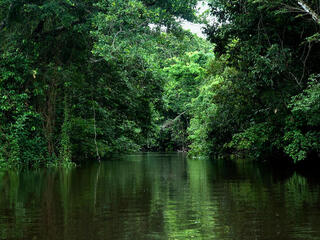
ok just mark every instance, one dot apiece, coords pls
pixel 80 80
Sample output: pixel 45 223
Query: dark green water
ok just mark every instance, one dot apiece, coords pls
pixel 159 196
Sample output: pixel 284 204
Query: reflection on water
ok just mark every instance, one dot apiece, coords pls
pixel 158 196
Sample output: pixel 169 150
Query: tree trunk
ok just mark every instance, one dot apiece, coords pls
pixel 95 132
pixel 50 116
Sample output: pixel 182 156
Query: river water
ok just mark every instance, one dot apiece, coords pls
pixel 159 196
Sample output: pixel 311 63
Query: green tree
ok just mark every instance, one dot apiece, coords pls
pixel 83 79
pixel 267 51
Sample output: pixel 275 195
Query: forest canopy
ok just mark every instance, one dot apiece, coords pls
pixel 80 80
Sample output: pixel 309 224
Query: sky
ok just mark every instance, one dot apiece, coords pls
pixel 194 27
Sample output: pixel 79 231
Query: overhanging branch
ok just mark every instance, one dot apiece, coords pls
pixel 309 10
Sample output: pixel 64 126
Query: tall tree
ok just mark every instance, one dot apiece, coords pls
pixel 268 52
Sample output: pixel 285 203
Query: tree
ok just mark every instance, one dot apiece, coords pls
pixel 83 78
pixel 272 54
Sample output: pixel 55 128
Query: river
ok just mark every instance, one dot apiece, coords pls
pixel 159 196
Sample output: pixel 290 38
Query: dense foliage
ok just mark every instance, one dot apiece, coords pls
pixel 84 79
pixel 262 96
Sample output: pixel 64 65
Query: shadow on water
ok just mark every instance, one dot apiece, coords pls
pixel 267 171
pixel 159 196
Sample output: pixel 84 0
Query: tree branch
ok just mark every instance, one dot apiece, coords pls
pixel 170 122
pixel 308 10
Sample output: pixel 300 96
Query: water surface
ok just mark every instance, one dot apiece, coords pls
pixel 159 196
